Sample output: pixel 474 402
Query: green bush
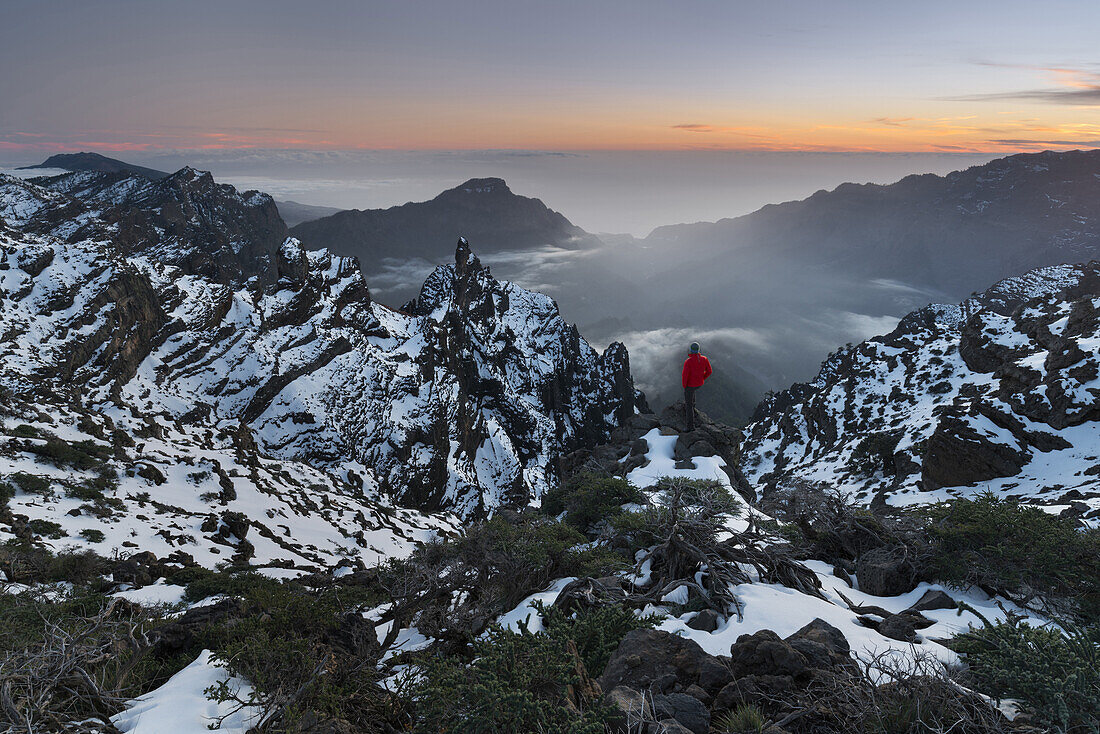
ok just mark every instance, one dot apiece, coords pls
pixel 741 720
pixel 79 455
pixel 1017 550
pixel 701 507
pixel 30 483
pixel 515 683
pixel 92 535
pixel 589 498
pixel 303 651
pixel 7 492
pixel 596 632
pixel 46 528
pixel 25 431
pixel 455 586
pixel 1055 675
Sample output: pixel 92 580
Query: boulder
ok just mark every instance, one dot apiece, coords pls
pixel 764 653
pixel 687 711
pixel 664 663
pixel 898 627
pixel 823 646
pixel 934 599
pixel 705 621
pixel 179 634
pixel 885 572
pixel 752 690
pixel 630 706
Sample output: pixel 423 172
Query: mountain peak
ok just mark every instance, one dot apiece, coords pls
pixel 480 186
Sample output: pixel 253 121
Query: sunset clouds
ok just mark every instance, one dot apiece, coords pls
pixel 123 75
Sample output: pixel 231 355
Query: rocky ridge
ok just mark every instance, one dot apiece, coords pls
pixel 1000 392
pixel 176 303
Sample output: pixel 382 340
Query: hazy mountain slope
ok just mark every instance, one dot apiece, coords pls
pixel 465 404
pixel 1001 393
pixel 294 213
pixel 482 209
pixel 950 233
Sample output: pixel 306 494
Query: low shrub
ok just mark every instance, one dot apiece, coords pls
pixel 81 455
pixel 700 507
pixel 92 535
pixel 515 683
pixel 30 483
pixel 454 587
pixel 1029 555
pixel 46 528
pixel 304 652
pixel 588 498
pixel 596 632
pixel 1055 675
pixel 743 719
pixel 875 452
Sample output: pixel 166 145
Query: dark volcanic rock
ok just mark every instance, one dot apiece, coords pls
pixel 885 572
pixel 687 711
pixel 665 662
pixel 934 599
pixel 706 621
pixel 958 454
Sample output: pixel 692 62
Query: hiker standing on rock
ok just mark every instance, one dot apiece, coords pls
pixel 696 371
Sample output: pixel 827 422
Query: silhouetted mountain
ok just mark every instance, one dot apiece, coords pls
pixel 483 209
pixel 949 233
pixel 97 162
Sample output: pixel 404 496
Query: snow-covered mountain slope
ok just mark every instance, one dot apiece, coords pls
pixel 464 403
pixel 119 483
pixel 185 219
pixel 1001 392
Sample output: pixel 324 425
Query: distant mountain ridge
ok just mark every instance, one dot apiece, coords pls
pixel 96 162
pixel 483 209
pixel 949 233
pixel 292 212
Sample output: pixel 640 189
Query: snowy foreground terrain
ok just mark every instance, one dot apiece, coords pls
pixel 764 606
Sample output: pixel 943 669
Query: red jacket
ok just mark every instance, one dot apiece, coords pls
pixel 696 370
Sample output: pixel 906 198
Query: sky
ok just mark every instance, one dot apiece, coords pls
pixel 626 75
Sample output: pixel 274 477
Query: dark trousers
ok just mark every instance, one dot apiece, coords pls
pixel 689 406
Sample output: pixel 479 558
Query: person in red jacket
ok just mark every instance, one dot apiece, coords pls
pixel 696 371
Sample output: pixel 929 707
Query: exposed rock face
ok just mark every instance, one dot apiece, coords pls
pixel 181 299
pixel 1001 391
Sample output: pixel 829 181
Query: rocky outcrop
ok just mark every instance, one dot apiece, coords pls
pixel 986 393
pixel 627 448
